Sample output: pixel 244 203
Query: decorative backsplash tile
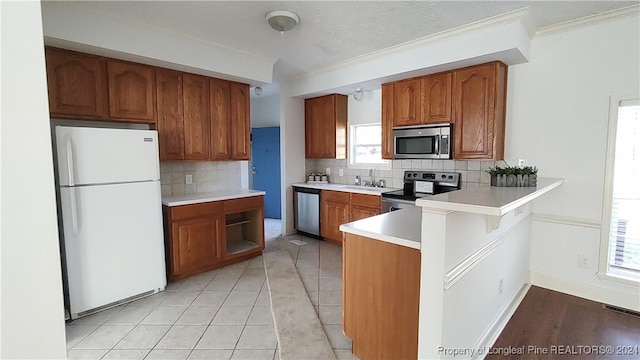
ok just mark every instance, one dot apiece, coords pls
pixel 472 172
pixel 206 176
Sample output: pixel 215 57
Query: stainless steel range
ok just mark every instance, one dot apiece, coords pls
pixel 418 184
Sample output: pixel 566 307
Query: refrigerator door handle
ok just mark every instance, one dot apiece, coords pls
pixel 70 164
pixel 75 223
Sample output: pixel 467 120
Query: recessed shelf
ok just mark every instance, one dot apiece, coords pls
pixel 235 222
pixel 240 245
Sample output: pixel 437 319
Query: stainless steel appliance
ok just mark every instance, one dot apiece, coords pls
pixel 422 142
pixel 307 211
pixel 418 184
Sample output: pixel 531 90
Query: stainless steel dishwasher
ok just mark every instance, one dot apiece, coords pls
pixel 307 212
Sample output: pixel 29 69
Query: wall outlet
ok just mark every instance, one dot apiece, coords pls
pixel 340 172
pixel 500 286
pixel 583 261
pixel 188 179
pixel 327 171
pixel 522 162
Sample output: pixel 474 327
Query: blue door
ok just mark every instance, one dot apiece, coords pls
pixel 265 147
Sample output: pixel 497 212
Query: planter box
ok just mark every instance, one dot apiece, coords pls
pixel 514 180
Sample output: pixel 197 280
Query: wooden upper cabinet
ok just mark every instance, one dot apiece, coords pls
pixel 387 121
pixel 407 102
pixel 219 102
pixel 170 122
pixel 326 127
pixel 131 91
pixel 76 83
pixel 479 98
pixel 436 98
pixel 195 94
pixel 240 122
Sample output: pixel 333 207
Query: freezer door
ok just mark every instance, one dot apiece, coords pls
pixel 113 241
pixel 104 156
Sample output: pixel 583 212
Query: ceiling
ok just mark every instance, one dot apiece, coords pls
pixel 329 31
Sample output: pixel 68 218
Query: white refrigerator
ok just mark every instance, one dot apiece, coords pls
pixel 109 185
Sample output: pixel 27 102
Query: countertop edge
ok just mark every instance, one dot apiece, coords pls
pixel 346 188
pixel 211 197
pixel 489 210
pixel 381 237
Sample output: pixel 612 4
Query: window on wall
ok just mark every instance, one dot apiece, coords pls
pixel 621 235
pixel 366 146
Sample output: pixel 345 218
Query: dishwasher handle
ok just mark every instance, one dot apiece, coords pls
pixel 306 190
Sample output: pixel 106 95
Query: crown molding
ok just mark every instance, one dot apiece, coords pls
pixel 633 10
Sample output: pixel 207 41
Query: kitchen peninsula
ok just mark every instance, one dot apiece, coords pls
pixel 470 266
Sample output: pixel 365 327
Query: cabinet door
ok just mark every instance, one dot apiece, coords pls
pixel 319 127
pixel 407 102
pixel 436 99
pixel 170 123
pixel 197 128
pixel 240 125
pixel 219 101
pixel 196 243
pixel 333 214
pixel 77 84
pixel 387 121
pixel 361 212
pixel 479 100
pixel 131 91
pixel 326 127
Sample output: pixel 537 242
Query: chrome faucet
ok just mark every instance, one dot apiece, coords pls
pixel 372 177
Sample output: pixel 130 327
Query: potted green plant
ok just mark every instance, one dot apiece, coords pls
pixel 511 176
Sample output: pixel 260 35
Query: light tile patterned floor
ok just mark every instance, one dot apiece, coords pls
pixel 221 314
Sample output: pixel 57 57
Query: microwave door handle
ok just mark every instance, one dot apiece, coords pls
pixel 437 147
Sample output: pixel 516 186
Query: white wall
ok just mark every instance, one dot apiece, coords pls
pixel 557 116
pixel 32 307
pixel 265 109
pixel 292 165
pixel 366 111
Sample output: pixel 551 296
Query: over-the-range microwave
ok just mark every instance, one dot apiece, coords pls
pixel 422 142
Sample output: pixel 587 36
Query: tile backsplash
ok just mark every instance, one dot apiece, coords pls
pixel 207 176
pixel 472 172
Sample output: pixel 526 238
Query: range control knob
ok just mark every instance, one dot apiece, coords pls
pixel 415 175
pixel 444 176
pixel 450 177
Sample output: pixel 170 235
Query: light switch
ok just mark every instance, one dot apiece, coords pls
pixel 188 179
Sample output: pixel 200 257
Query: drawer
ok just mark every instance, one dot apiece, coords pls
pixel 365 200
pixel 242 204
pixel 335 196
pixel 195 210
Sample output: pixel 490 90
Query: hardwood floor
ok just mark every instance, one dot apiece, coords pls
pixel 567 327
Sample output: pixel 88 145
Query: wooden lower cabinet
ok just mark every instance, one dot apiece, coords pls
pixel 201 237
pixel 334 211
pixel 339 207
pixel 381 298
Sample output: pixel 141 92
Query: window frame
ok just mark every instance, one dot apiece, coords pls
pixel 605 271
pixel 384 165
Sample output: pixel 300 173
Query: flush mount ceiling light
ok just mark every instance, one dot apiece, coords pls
pixel 282 20
pixel 358 95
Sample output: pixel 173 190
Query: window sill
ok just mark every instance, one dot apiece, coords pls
pixel 375 166
pixel 620 276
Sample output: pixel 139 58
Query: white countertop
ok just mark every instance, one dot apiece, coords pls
pixel 347 188
pixel 189 199
pixel 400 227
pixel 489 200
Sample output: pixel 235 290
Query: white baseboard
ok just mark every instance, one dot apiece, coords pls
pixel 621 295
pixel 493 332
